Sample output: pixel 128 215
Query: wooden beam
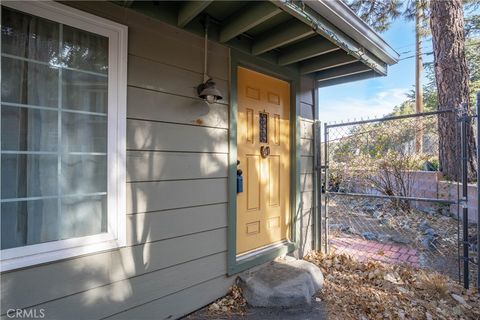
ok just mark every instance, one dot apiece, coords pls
pixel 342 71
pixel 255 14
pixel 190 10
pixel 326 61
pixel 306 49
pixel 355 77
pixel 281 35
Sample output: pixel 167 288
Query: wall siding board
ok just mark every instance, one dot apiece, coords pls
pixel 306 147
pixel 146 135
pixel 157 76
pixel 172 49
pixel 125 294
pixel 162 195
pixel 36 285
pixel 306 182
pixel 160 225
pixel 306 130
pixel 174 306
pixel 306 164
pixel 170 45
pixel 154 166
pixel 306 90
pixel 159 106
pixel 307 200
pixel 306 111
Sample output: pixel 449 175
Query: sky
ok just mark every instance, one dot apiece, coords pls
pixel 377 97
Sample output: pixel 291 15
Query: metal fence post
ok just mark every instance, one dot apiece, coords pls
pixel 464 158
pixel 326 163
pixel 318 183
pixel 478 189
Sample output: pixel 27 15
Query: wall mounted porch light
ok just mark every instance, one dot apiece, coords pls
pixel 208 90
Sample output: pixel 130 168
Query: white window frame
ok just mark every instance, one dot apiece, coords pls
pixel 115 236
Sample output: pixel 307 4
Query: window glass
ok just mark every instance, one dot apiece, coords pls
pixel 53 129
pixel 28 129
pixel 84 91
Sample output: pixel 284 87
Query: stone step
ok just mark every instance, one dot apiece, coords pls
pixel 285 282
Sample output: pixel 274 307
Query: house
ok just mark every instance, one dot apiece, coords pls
pixel 120 195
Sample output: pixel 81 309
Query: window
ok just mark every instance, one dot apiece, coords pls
pixel 63 98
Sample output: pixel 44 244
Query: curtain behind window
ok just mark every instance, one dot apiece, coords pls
pixel 46 152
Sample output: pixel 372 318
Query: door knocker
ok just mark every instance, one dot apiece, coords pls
pixel 265 151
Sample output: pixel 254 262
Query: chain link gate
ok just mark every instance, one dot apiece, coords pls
pixel 383 197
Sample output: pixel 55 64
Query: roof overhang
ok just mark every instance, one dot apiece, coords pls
pixel 323 38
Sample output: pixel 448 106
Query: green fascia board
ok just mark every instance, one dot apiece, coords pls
pixel 255 14
pixel 282 35
pixel 238 58
pixel 321 26
pixel 306 49
pixel 327 61
pixel 342 71
pixel 351 78
pixel 188 11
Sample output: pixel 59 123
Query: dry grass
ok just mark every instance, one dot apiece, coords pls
pixel 433 282
pixel 358 290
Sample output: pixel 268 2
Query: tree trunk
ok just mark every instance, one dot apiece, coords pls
pixel 418 76
pixel 451 75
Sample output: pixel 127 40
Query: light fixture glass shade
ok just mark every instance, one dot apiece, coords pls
pixel 208 91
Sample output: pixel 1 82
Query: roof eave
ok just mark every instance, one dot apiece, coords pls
pixel 340 15
pixel 325 28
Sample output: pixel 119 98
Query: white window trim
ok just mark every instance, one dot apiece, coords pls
pixel 115 237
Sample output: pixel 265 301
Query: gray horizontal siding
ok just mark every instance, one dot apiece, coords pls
pixel 175 305
pixel 184 50
pixel 306 90
pixel 48 282
pixel 306 147
pixel 306 129
pixel 306 182
pixel 147 135
pixel 154 166
pixel 126 294
pixel 306 111
pixel 160 225
pixel 306 164
pixel 162 195
pixel 153 75
pixel 159 106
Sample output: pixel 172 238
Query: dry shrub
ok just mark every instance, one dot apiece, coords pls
pixel 433 282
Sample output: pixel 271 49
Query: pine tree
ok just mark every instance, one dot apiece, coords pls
pixel 452 80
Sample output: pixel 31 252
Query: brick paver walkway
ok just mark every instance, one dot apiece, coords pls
pixel 363 250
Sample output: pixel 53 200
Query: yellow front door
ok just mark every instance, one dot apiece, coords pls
pixel 263 146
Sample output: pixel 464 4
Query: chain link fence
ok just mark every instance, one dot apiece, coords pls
pixel 386 200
